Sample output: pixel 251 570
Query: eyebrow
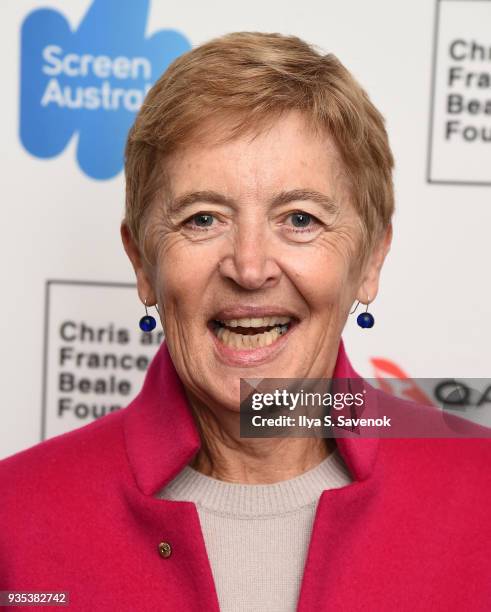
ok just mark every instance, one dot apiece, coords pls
pixel 284 197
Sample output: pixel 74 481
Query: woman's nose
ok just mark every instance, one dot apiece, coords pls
pixel 251 263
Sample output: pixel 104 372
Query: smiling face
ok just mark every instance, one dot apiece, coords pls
pixel 257 255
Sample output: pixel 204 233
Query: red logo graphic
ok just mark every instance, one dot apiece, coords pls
pixel 392 379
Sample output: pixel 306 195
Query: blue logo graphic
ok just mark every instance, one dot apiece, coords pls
pixel 90 81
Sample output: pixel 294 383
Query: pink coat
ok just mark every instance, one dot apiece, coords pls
pixel 77 514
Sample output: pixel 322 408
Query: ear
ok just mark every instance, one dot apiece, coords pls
pixel 368 288
pixel 143 280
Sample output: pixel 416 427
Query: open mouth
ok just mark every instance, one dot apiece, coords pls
pixel 251 333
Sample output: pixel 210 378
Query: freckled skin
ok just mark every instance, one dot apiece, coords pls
pixel 253 254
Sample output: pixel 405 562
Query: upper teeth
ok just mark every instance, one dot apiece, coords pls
pixel 256 322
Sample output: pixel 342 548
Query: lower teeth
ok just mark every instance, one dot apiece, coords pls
pixel 244 341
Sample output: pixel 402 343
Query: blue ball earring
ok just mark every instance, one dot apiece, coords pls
pixel 147 323
pixel 364 319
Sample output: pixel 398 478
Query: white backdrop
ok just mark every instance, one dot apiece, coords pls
pixel 61 225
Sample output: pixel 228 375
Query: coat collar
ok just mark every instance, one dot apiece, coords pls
pixel 161 436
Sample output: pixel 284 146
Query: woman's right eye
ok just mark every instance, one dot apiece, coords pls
pixel 200 221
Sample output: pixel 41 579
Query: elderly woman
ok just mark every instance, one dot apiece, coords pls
pixel 259 204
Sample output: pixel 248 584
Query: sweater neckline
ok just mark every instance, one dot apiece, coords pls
pixel 253 500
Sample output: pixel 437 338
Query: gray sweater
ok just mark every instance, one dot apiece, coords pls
pixel 257 536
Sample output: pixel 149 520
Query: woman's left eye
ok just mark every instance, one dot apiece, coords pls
pixel 302 221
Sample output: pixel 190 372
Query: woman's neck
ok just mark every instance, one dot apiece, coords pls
pixel 226 456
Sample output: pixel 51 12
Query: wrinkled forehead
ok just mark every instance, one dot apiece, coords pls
pixel 279 153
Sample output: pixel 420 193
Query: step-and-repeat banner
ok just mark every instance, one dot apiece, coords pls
pixel 75 72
